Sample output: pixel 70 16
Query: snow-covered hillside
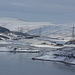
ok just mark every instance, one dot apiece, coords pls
pixel 59 30
pixel 42 28
pixel 16 24
pixel 48 31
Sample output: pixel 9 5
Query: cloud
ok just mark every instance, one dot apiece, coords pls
pixel 45 9
pixel 18 4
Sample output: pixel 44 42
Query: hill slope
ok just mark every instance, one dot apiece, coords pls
pixel 15 24
pixel 43 28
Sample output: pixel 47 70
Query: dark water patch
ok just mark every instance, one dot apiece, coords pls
pixel 22 64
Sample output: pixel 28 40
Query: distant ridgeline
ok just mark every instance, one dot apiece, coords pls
pixel 4 30
pixel 14 35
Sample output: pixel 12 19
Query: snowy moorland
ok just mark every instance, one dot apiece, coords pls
pixel 47 29
pixel 15 24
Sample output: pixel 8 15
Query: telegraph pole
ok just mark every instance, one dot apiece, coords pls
pixel 39 31
pixel 73 36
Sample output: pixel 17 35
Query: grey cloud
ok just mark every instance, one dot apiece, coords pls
pixel 49 9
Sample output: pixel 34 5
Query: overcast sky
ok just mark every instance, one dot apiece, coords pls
pixel 56 11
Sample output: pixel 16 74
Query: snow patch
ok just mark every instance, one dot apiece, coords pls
pixel 65 55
